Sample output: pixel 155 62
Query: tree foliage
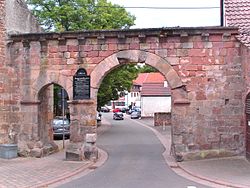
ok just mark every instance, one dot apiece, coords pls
pixel 147 69
pixel 72 15
pixel 116 82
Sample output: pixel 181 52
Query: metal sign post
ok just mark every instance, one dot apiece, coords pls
pixel 63 113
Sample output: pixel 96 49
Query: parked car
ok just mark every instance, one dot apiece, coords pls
pixel 98 116
pixel 105 109
pixel 135 115
pixel 116 110
pixel 61 126
pixel 134 109
pixel 118 116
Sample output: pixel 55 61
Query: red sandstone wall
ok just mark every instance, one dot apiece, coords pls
pixel 209 64
pixel 11 13
pixel 19 19
pixel 2 32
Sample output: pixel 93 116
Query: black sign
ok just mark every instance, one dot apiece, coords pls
pixel 81 85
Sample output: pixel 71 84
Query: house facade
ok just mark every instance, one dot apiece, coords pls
pixel 155 98
pixel 153 93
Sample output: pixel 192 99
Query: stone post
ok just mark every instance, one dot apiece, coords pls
pixel 82 122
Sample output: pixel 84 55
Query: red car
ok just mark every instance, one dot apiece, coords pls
pixel 116 110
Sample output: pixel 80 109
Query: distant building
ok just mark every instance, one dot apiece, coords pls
pixel 155 95
pixel 150 91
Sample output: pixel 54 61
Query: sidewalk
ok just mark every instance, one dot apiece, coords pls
pixel 222 172
pixel 45 172
pixel 52 170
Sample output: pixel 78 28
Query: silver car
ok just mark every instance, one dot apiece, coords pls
pixel 135 115
pixel 61 126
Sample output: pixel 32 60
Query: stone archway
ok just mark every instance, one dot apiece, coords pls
pixel 179 94
pixel 36 139
pixel 135 56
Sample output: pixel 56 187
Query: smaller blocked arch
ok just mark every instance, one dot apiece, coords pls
pixel 63 81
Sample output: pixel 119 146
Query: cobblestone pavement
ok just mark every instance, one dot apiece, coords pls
pixel 42 172
pixel 33 172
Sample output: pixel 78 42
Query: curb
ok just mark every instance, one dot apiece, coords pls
pixel 81 171
pixel 84 170
pixel 178 169
pixel 219 182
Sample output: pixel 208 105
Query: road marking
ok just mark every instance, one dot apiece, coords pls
pixel 190 186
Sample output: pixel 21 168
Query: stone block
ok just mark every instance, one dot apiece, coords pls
pixel 90 152
pixel 197 52
pixel 198 44
pixel 66 55
pixel 134 46
pixel 36 152
pixel 93 54
pixel 173 60
pixel 39 144
pixel 112 47
pixel 86 48
pixel 162 119
pixel 215 38
pixel 208 44
pixel 187 45
pixel 73 48
pixel 91 138
pixel 182 52
pixel 74 152
pixel 162 53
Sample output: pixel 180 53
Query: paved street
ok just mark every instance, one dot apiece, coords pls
pixel 135 160
pixel 122 169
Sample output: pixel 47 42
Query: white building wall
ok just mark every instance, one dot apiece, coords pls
pixel 150 105
pixel 131 98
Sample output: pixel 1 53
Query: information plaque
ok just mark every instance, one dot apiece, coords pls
pixel 81 85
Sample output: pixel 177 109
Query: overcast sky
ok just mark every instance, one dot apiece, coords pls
pixel 152 18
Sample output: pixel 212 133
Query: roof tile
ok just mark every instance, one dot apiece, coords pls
pixel 155 89
pixel 237 14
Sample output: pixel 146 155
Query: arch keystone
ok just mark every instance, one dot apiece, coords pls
pixel 133 55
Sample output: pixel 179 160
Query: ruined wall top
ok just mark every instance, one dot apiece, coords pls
pixel 19 19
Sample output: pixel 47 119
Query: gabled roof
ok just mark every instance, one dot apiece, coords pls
pixel 155 89
pixel 140 79
pixel 152 77
pixel 152 84
pixel 237 14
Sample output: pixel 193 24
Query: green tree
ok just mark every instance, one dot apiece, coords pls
pixel 72 15
pixel 147 69
pixel 116 82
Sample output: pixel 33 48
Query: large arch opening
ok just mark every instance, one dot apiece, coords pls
pixel 134 56
pixel 178 92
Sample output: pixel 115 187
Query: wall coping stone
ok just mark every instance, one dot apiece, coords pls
pixel 159 32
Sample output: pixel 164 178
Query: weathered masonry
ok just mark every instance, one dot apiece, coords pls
pixel 207 70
